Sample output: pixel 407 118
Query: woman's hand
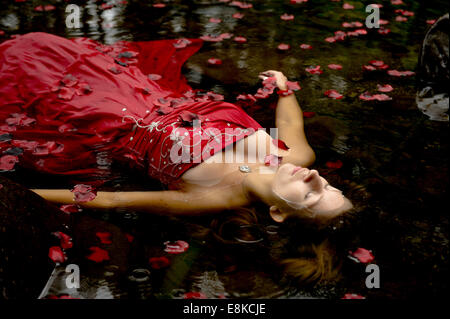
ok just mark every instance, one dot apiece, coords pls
pixel 279 77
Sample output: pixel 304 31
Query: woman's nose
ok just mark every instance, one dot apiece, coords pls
pixel 314 180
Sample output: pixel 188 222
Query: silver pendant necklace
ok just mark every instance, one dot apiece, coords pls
pixel 245 169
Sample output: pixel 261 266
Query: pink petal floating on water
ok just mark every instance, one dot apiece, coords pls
pixel 214 61
pixel 106 6
pixel 215 20
pixel 384 88
pixel 65 240
pixel 105 237
pixel 308 114
pixel 333 94
pixel 305 46
pixel 238 15
pixel 226 35
pixel 401 19
pixel 377 5
pixel 70 209
pixel 56 254
pixel 353 296
pixel 396 2
pixel 384 31
pixel 361 31
pixel 159 262
pixel 287 17
pixel 314 69
pixel 194 295
pixel 383 22
pixel 210 38
pixel 381 97
pixel 400 73
pixel 369 68
pixel 298 1
pixel 378 63
pixel 354 24
pixel 340 35
pixel 272 160
pixel 240 39
pixel 348 6
pixel 98 255
pixel 335 66
pixel 366 96
pixel 284 47
pixel 177 247
pixel 158 5
pixel 432 21
pixel 362 255
pixel 241 5
pixel 84 193
pixel 330 39
pixel 48 7
pixel 7 162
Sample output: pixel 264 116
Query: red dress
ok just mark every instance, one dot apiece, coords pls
pixel 74 105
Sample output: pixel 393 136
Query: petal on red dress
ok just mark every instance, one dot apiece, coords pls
pixel 66 93
pixel 7 162
pixel 69 80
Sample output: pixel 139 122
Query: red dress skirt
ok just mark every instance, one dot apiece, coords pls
pixel 72 106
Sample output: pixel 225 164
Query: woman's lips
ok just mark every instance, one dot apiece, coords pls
pixel 297 168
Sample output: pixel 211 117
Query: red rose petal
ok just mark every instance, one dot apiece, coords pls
pixel 129 237
pixel 280 144
pixel 159 262
pixel 431 21
pixel 335 66
pixel 336 165
pixel 69 209
pixel 272 160
pixel 330 39
pixel 400 73
pixel 309 114
pixel 333 94
pixel 65 240
pixel 305 46
pixel 181 43
pixel 215 20
pixel 294 86
pixel 348 6
pixel 98 254
pixel 194 295
pixel 56 254
pixel 362 255
pixel 287 17
pixel 240 39
pixel 353 296
pixel 283 47
pixel 177 247
pixel 238 15
pixel 401 19
pixel 214 61
pixel 158 5
pixel 314 69
pixel 384 88
pixel 105 237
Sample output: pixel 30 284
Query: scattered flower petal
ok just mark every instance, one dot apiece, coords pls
pixel 215 20
pixel 69 209
pixel 309 114
pixel 348 6
pixel 98 255
pixel 194 295
pixel 7 162
pixel 305 46
pixel 214 61
pixel 240 39
pixel 353 296
pixel 105 237
pixel 83 193
pixel 238 15
pixel 333 94
pixel 335 165
pixel 280 144
pixel 362 255
pixel 384 88
pixel 314 69
pixel 65 240
pixel 56 254
pixel 159 262
pixel 177 247
pixel 284 47
pixel 272 160
pixel 287 17
pixel 335 66
pixel 400 73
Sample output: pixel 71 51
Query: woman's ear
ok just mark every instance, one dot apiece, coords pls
pixel 276 214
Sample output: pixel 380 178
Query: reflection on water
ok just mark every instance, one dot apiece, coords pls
pixel 390 148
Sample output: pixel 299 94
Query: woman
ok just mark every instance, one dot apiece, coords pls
pixel 71 105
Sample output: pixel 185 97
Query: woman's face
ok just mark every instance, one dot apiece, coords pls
pixel 300 188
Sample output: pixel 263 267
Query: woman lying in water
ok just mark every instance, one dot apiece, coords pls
pixel 72 103
pixel 72 106
pixel 222 183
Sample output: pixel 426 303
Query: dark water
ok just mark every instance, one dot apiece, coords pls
pixel 390 148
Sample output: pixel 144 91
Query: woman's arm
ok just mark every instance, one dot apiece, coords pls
pixel 289 121
pixel 158 202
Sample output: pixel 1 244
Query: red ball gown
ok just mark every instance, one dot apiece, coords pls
pixel 72 106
